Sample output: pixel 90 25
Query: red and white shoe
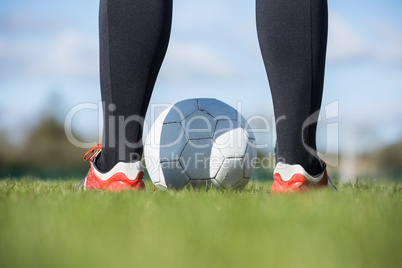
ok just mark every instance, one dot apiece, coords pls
pixel 293 178
pixel 122 176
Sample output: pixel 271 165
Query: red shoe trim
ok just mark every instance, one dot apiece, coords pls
pixel 116 182
pixel 298 183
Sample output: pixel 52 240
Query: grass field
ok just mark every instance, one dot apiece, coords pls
pixel 48 224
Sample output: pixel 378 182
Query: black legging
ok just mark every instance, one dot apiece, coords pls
pixel 134 36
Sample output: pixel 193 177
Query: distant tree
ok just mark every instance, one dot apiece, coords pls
pixel 390 158
pixel 47 147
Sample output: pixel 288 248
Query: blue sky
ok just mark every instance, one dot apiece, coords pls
pixel 50 48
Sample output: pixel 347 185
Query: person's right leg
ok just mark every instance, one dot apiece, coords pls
pixel 293 40
pixel 134 36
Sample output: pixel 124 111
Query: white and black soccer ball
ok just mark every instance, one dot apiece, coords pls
pixel 200 143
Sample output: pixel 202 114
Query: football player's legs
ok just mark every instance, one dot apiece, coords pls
pixel 293 38
pixel 134 35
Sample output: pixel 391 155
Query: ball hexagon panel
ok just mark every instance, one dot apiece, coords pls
pixel 217 109
pixel 230 173
pixel 195 159
pixel 231 138
pixel 172 142
pixel 199 125
pixel 178 112
pixel 174 175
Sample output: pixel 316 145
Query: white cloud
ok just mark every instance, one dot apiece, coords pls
pixel 192 60
pixel 389 48
pixel 210 41
pixel 67 54
pixel 381 42
pixel 193 54
pixel 71 55
pixel 344 43
pixel 26 22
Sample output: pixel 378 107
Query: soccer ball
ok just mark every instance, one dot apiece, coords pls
pixel 200 143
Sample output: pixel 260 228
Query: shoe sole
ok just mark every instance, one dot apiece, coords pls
pixel 298 184
pixel 117 185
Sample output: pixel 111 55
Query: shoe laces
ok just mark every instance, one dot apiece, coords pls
pixel 90 155
pixel 93 152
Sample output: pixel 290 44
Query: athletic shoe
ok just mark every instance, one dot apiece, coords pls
pixel 122 176
pixel 293 178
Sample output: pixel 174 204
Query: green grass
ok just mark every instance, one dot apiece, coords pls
pixel 48 224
